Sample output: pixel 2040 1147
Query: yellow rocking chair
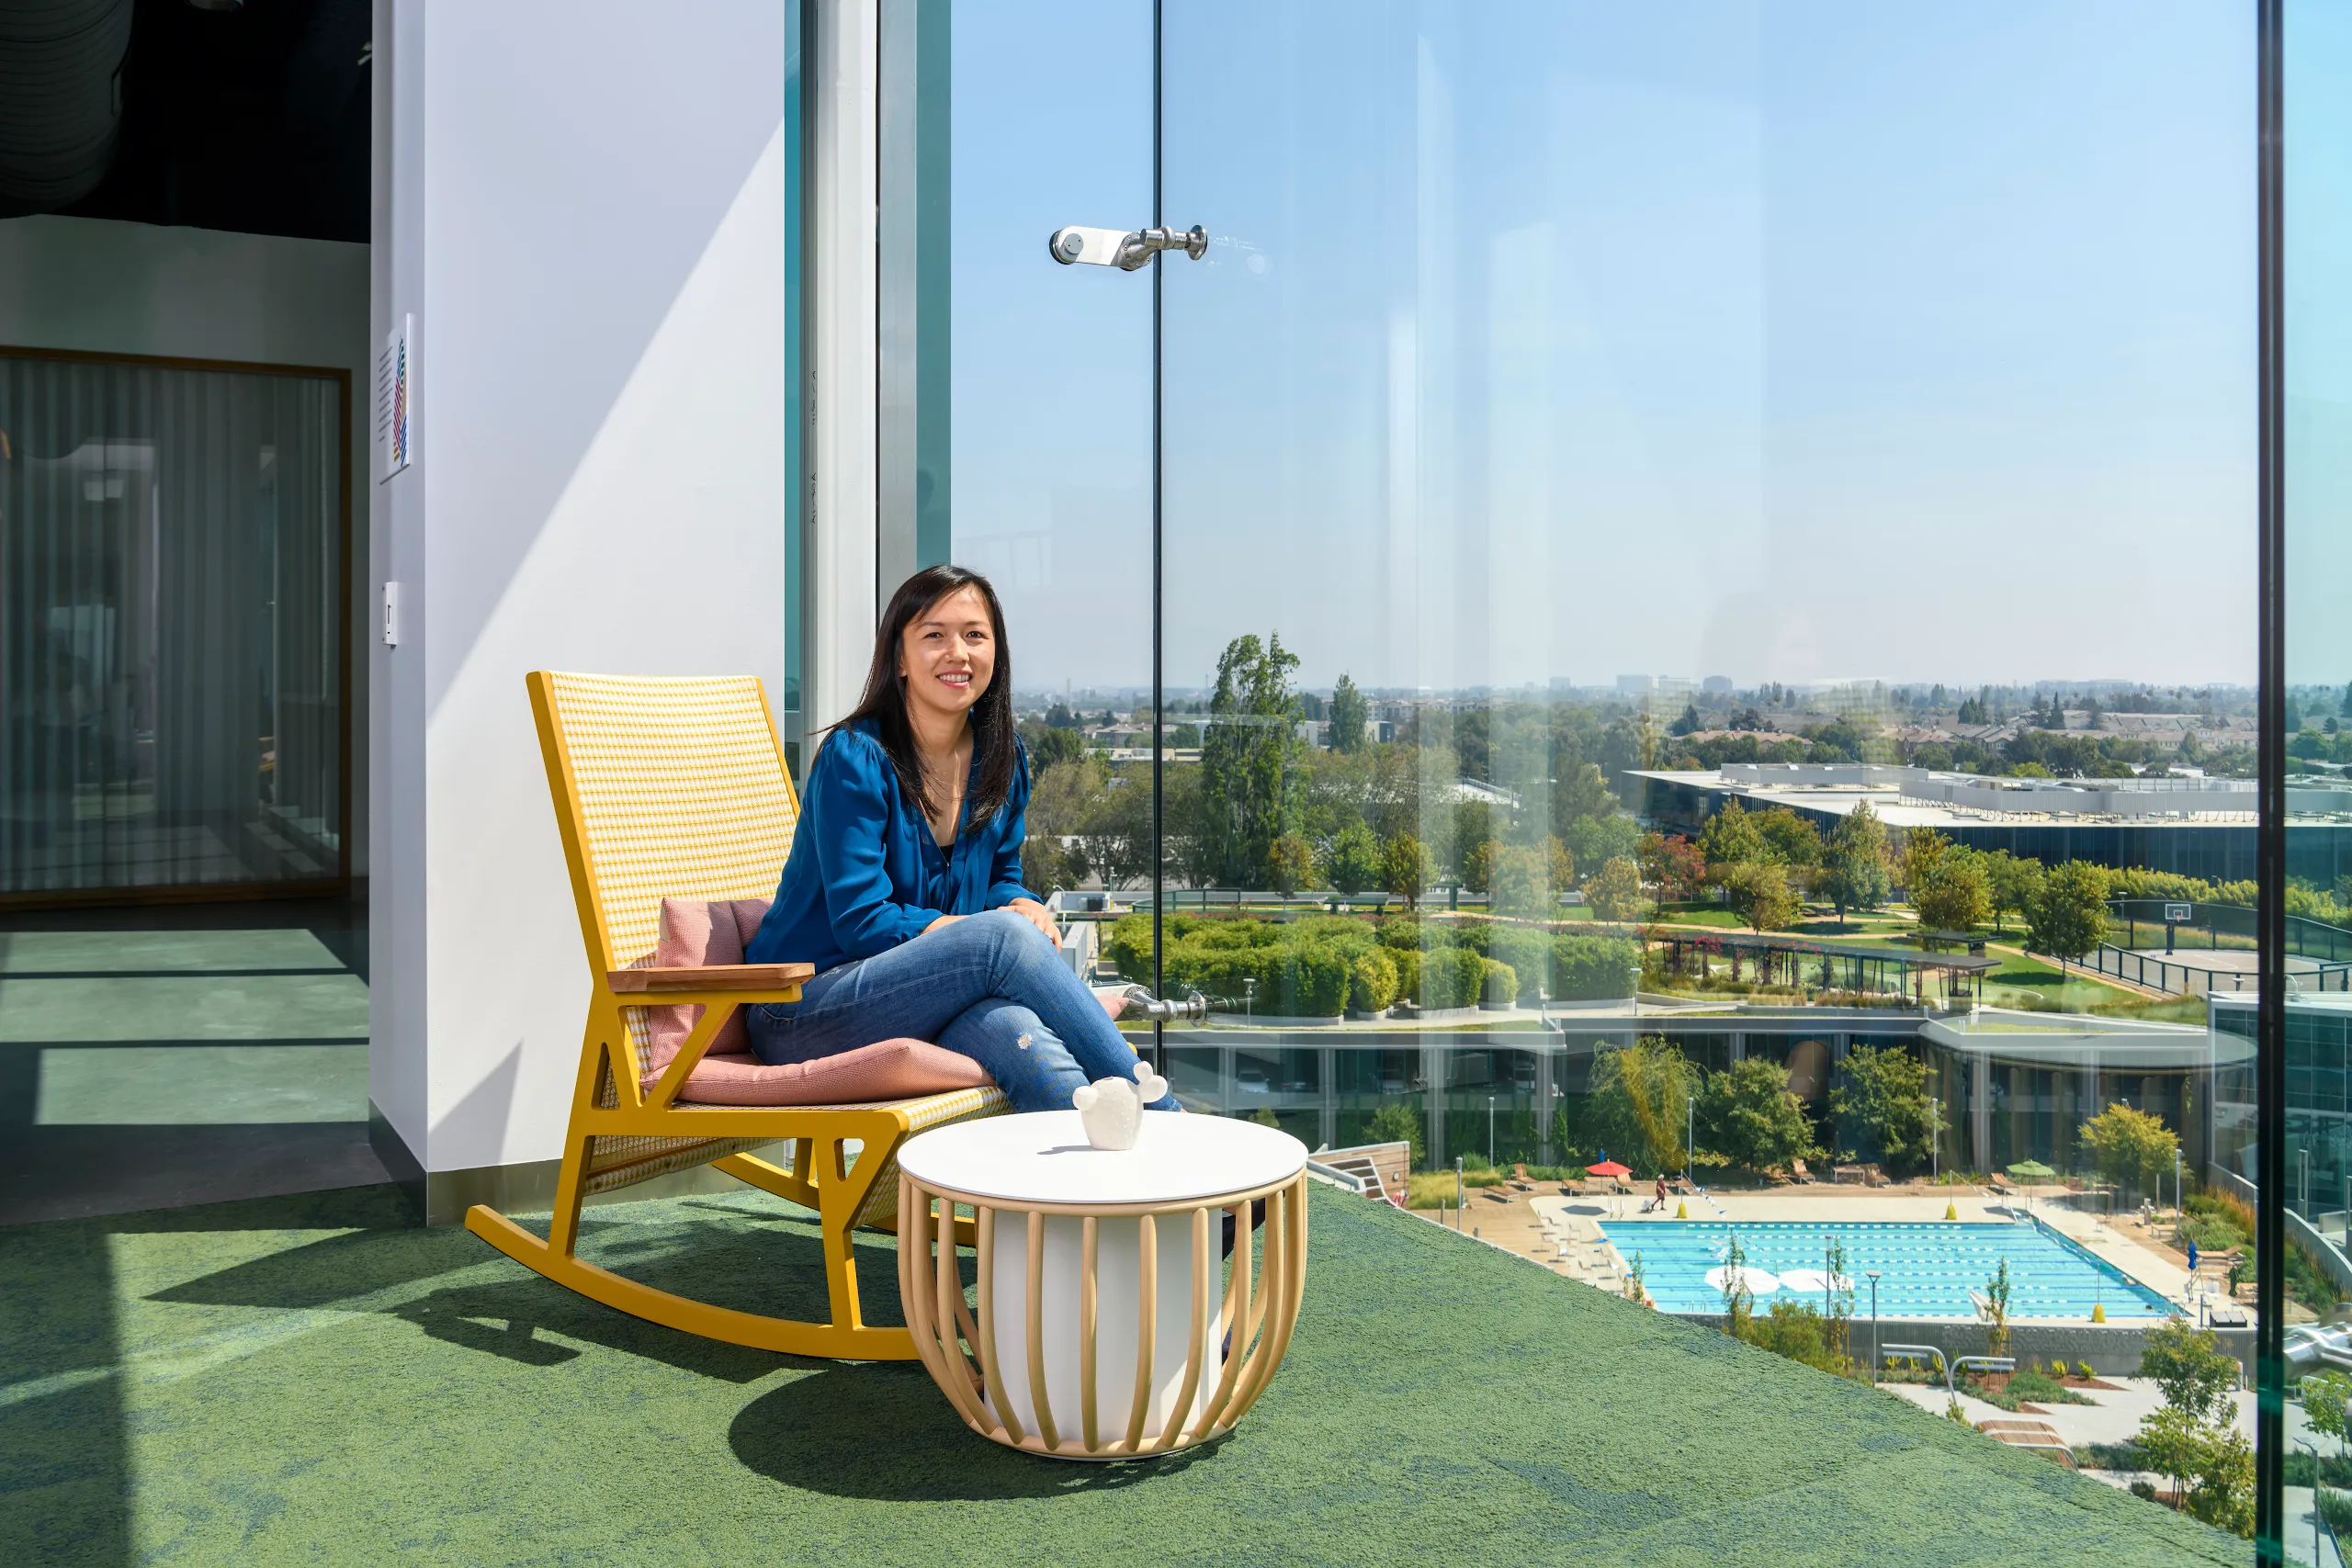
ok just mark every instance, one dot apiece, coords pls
pixel 677 788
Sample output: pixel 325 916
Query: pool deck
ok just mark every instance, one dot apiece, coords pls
pixel 1588 1255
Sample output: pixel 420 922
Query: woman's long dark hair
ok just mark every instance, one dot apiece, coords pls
pixel 994 743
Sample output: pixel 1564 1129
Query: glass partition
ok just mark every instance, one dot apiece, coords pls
pixel 173 629
pixel 1709 631
pixel 2315 259
pixel 1706 581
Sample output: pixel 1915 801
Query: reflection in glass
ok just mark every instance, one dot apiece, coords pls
pixel 172 656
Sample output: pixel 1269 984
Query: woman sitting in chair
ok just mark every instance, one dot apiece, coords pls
pixel 904 883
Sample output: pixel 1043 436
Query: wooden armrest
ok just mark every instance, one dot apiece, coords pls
pixel 712 977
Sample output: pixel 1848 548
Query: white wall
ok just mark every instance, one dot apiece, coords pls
pixel 111 287
pixel 587 224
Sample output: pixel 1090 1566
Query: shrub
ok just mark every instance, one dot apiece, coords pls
pixel 1527 952
pixel 1452 977
pixel 1372 981
pixel 1593 968
pixel 1407 961
pixel 1397 1123
pixel 1499 983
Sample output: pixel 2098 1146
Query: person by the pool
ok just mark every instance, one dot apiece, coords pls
pixel 904 883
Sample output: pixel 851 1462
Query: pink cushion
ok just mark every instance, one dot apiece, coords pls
pixel 890 1069
pixel 702 932
pixel 697 932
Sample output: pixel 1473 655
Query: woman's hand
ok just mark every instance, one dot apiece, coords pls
pixel 1039 916
pixel 942 920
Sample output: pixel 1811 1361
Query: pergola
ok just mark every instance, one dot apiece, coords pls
pixel 1792 960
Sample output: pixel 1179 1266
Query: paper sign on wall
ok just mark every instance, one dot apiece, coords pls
pixel 396 397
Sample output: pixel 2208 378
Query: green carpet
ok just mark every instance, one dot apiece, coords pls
pixel 310 1380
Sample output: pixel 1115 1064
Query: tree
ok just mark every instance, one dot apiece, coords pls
pixel 1854 873
pixel 1788 838
pixel 1521 880
pixel 1559 866
pixel 1352 863
pixel 1616 893
pixel 1674 866
pixel 1740 1302
pixel 1882 1107
pixel 1639 1101
pixel 1750 1117
pixel 2326 1395
pixel 1955 895
pixel 2012 883
pixel 1997 1311
pixel 1406 868
pixel 1689 723
pixel 1245 758
pixel 1478 866
pixel 2132 1148
pixel 1730 838
pixel 1049 745
pixel 1397 1122
pixel 2189 1365
pixel 1597 841
pixel 2221 1486
pixel 1579 793
pixel 1759 894
pixel 1290 863
pixel 2172 1441
pixel 2069 916
pixel 1922 848
pixel 1048 866
pixel 1349 714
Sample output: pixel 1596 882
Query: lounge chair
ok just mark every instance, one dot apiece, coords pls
pixel 1797 1172
pixel 676 790
pixel 2001 1184
pixel 1873 1176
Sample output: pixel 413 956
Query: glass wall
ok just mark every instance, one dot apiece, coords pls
pixel 173 615
pixel 1707 635
pixel 2315 354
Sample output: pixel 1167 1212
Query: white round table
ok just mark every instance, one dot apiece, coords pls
pixel 1108 1326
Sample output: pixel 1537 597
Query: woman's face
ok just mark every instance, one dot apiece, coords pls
pixel 947 654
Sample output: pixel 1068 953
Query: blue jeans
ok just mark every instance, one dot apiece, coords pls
pixel 991 988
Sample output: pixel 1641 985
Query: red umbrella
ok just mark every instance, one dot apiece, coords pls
pixel 1607 1167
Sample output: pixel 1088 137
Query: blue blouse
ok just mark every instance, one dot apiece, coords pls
pixel 865 874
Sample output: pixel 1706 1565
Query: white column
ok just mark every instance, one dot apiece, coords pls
pixel 844 173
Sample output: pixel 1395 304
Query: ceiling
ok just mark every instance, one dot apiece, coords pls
pixel 254 120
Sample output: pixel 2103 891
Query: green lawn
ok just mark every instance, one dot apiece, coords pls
pixel 1705 915
pixel 315 1381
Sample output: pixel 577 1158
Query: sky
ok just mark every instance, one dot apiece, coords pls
pixel 1785 341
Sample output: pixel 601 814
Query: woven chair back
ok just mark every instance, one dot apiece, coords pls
pixel 676 788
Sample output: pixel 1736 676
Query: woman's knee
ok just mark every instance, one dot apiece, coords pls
pixel 1012 938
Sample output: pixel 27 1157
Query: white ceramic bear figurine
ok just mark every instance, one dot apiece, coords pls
pixel 1111 1110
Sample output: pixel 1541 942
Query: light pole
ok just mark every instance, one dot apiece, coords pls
pixel 1689 1132
pixel 1249 996
pixel 1490 1130
pixel 1934 1143
pixel 1873 1277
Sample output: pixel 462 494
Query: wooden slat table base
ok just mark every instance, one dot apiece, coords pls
pixel 961 1347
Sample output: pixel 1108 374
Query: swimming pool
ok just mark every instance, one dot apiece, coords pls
pixel 1926 1269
